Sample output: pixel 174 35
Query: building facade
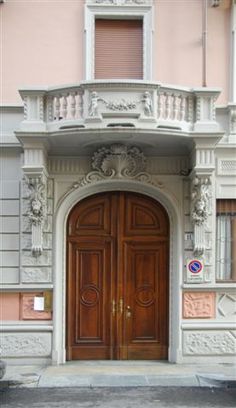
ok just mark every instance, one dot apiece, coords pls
pixel 118 197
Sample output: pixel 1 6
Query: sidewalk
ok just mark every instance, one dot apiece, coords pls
pixel 120 374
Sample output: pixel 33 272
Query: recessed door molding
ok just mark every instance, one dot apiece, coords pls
pixel 169 202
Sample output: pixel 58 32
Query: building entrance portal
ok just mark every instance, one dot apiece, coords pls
pixel 117 278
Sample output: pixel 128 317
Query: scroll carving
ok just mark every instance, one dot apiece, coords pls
pixel 115 162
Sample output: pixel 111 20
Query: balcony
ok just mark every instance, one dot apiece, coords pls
pixel 145 110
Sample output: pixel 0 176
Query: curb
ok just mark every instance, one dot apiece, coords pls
pixel 216 381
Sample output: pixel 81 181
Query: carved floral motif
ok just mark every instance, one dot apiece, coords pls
pixel 26 344
pixel 198 305
pixel 209 342
pixel 121 105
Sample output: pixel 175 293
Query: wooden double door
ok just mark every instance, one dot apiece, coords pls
pixel 117 278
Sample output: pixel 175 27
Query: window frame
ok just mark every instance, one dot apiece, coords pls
pixel 93 11
pixel 231 215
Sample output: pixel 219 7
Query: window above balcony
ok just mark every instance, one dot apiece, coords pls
pixel 118 49
pixel 118 39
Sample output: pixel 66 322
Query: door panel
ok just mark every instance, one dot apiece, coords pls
pixel 117 280
pixel 145 309
pixel 90 294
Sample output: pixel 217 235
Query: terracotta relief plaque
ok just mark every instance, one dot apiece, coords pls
pixel 198 305
pixel 27 309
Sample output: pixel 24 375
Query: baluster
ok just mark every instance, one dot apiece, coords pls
pixel 160 106
pixel 72 105
pixel 175 106
pixel 190 109
pixel 80 105
pixel 57 107
pixel 64 107
pixel 182 107
pixel 168 106
pixel 50 108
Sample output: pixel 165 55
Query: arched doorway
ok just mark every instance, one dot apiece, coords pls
pixel 117 278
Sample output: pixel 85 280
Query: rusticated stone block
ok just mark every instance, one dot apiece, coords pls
pixel 27 309
pixel 198 305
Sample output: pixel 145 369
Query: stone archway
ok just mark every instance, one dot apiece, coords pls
pixel 168 201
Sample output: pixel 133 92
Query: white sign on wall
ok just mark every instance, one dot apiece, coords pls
pixel 195 269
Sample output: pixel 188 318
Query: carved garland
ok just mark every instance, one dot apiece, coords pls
pixel 120 105
pixel 37 211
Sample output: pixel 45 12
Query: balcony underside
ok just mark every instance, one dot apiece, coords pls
pixel 84 142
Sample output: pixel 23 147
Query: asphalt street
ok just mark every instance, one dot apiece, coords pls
pixel 118 397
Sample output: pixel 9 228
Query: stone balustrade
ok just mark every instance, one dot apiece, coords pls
pixel 104 104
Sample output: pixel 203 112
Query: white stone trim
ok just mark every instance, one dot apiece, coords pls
pixel 59 261
pixel 138 11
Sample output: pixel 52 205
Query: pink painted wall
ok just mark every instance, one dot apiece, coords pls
pixel 20 306
pixel 9 306
pixel 42 44
pixel 178 44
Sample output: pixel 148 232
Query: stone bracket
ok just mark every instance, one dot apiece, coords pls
pixel 37 211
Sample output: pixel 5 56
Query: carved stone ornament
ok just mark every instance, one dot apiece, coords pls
pixel 209 342
pixel 37 212
pixel 233 119
pixel 200 211
pixel 118 161
pixel 198 305
pixel 200 199
pixel 121 105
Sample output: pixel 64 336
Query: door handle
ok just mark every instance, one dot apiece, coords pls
pixel 113 307
pixel 128 312
pixel 121 305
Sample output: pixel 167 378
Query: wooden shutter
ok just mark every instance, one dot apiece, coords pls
pixel 118 49
pixel 226 206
